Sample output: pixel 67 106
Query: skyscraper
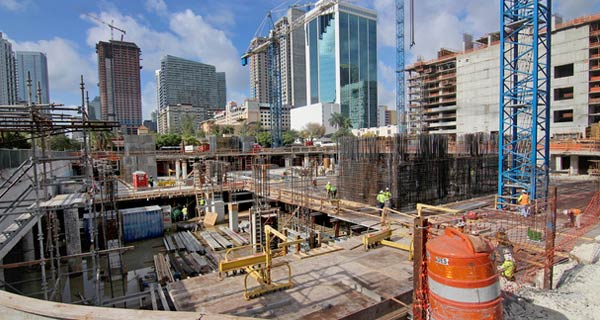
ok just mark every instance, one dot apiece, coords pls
pixel 36 65
pixel 259 85
pixel 291 59
pixel 95 112
pixel 341 57
pixel 8 75
pixel 120 87
pixel 186 82
pixel 221 90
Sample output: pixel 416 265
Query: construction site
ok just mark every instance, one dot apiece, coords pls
pixel 435 222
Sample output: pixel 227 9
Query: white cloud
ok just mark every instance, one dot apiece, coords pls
pixel 386 73
pixel 157 6
pixel 189 36
pixel 13 5
pixel 149 102
pixel 570 9
pixel 385 96
pixel 65 63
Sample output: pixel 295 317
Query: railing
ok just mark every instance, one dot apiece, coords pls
pixel 578 145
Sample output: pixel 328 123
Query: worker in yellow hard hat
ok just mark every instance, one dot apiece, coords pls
pixel 508 267
pixel 380 199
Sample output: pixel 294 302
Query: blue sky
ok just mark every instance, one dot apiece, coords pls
pixel 218 32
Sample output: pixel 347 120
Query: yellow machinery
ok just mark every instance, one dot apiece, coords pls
pixel 384 235
pixel 259 265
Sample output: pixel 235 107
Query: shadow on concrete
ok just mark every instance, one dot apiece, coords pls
pixel 522 308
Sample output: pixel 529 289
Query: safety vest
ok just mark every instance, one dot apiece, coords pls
pixel 388 195
pixel 576 212
pixel 508 268
pixel 381 198
pixel 328 187
pixel 202 202
pixel 523 199
pixel 333 188
pixel 184 211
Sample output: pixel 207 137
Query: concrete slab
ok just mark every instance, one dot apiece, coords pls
pixel 328 286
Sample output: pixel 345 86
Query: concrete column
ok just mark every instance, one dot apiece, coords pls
pixel 574 170
pixel 289 161
pixel 233 217
pixel 306 160
pixel 177 169
pixel 28 246
pixel 557 162
pixel 218 206
pixel 184 172
pixel 73 238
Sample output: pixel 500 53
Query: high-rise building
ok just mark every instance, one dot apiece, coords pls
pixel 95 112
pixel 185 82
pixel 35 64
pixel 290 57
pixel 120 87
pixel 172 117
pixel 221 90
pixel 8 74
pixel 259 86
pixel 341 58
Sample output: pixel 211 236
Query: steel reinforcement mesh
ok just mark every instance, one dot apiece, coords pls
pixel 428 169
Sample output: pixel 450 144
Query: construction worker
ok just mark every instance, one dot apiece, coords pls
pixel 380 199
pixel 202 204
pixel 574 215
pixel 333 190
pixel 388 197
pixel 151 182
pixel 184 211
pixel 523 201
pixel 328 189
pixel 508 267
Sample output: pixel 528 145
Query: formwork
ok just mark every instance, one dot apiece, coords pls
pixel 420 169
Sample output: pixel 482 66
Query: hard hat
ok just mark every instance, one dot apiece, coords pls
pixel 380 191
pixel 460 224
pixel 566 211
pixel 328 182
pixel 524 191
pixel 387 189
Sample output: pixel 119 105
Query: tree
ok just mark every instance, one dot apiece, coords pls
pixel 64 143
pixel 289 137
pixel 339 121
pixel 264 139
pixel 170 139
pixel 10 140
pixel 314 130
pixel 249 129
pixel 227 129
pixel 102 140
pixel 188 125
pixel 189 140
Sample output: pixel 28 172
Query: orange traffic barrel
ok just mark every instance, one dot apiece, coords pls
pixel 463 282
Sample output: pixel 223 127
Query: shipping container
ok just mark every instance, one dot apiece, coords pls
pixel 138 223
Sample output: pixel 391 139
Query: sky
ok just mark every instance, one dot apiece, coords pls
pixel 218 32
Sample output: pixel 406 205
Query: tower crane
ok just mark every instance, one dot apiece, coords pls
pixel 524 131
pixel 400 55
pixel 272 47
pixel 110 25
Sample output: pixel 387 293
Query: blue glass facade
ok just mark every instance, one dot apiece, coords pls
pixel 346 74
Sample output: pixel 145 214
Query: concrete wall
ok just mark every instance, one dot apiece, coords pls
pixel 319 113
pixel 133 160
pixel 571 46
pixel 478 84
pixel 477 91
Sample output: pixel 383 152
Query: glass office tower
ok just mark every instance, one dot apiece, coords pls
pixel 342 62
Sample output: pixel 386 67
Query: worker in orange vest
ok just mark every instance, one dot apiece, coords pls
pixel 523 201
pixel 574 217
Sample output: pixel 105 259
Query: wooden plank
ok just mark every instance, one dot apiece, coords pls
pixel 153 296
pixel 163 299
pixel 210 219
pixel 221 240
pixel 212 243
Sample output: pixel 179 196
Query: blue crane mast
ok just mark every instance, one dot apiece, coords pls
pixel 524 131
pixel 400 64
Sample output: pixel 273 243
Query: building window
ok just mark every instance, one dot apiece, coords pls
pixel 563 115
pixel 566 70
pixel 563 93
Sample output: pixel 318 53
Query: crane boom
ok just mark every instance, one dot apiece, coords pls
pixel 110 25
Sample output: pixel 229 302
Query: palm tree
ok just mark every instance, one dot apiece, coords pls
pixel 340 121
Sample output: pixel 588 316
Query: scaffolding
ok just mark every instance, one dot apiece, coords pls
pixel 39 122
